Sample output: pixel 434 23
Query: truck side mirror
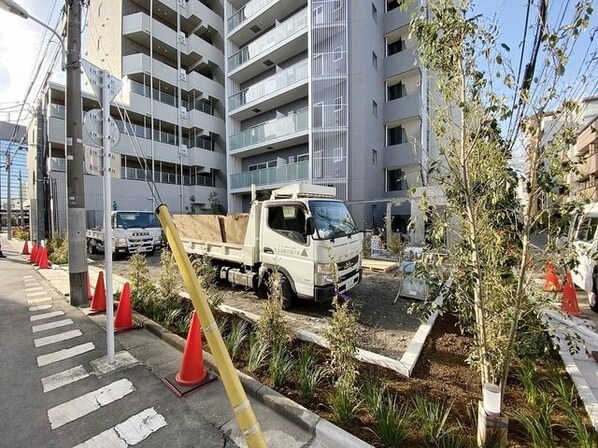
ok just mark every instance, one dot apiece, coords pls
pixel 309 226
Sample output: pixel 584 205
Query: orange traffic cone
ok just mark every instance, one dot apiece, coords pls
pixel 38 255
pixel 552 283
pixel 192 371
pixel 25 250
pixel 124 314
pixel 43 259
pixel 569 303
pixel 98 304
pixel 33 253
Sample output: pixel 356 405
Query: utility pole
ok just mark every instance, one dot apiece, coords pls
pixel 21 199
pixel 75 186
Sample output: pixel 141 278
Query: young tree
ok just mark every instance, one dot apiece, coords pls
pixel 476 92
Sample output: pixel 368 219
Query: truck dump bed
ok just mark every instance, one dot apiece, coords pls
pixel 214 229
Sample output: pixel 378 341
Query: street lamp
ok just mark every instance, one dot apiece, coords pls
pixel 12 7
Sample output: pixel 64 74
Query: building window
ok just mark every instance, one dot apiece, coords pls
pixel 374 13
pixel 374 108
pixel 374 60
pixel 392 4
pixel 395 47
pixel 396 91
pixel 396 136
pixel 395 180
pixel 374 157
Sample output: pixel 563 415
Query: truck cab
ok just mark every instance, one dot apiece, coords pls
pixel 303 231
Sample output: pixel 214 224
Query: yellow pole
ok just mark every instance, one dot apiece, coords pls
pixel 236 394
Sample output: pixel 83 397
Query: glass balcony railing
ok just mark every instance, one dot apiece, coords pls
pixel 270 130
pixel 245 12
pixel 166 178
pixel 268 176
pixel 270 39
pixel 269 85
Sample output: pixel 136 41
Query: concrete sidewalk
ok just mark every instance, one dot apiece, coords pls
pixel 284 423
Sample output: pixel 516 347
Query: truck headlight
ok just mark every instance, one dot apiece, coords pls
pixel 120 242
pixel 323 268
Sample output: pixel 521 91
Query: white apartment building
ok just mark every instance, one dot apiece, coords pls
pixel 328 92
pixel 264 92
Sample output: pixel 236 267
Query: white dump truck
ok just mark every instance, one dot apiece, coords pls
pixel 132 232
pixel 299 231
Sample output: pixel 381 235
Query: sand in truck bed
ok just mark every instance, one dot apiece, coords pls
pixel 213 228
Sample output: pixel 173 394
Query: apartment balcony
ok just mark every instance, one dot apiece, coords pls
pixel 257 15
pixel 397 18
pixel 141 63
pixel 286 39
pixel 400 63
pixel 270 176
pixel 402 154
pixel 282 88
pixel 196 48
pixel 287 131
pixel 57 164
pixel 207 159
pixel 402 108
pixel 209 123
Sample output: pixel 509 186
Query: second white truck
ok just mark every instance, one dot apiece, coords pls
pixel 132 232
pixel 299 231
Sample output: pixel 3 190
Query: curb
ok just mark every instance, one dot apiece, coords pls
pixel 323 431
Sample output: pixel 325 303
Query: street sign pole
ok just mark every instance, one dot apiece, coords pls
pixel 107 222
pixel 105 88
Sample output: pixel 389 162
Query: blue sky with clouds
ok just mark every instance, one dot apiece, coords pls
pixel 20 40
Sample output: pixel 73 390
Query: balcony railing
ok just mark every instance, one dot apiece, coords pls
pixel 269 85
pixel 270 130
pixel 166 178
pixel 270 39
pixel 245 12
pixel 269 176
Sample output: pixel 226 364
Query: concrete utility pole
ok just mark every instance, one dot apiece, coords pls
pixel 75 190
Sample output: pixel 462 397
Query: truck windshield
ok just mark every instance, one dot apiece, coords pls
pixel 143 220
pixel 331 219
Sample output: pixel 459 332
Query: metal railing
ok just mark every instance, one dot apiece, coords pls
pixel 269 176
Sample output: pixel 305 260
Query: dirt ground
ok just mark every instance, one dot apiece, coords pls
pixel 384 328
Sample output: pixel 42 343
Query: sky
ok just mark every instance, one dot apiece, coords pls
pixel 20 42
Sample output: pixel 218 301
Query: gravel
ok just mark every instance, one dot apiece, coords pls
pixel 384 328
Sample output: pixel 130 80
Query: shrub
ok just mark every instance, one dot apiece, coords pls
pixel 58 250
pixel 309 375
pixel 21 233
pixel 343 400
pixel 391 422
pixel 204 269
pixel 281 364
pixel 258 352
pixel 235 338
pixel 169 284
pixel 432 416
pixel 272 328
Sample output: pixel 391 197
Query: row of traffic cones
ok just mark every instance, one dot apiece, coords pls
pixel 191 374
pixel 569 302
pixel 38 255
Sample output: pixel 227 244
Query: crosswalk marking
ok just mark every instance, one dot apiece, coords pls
pixel 41 300
pixel 128 433
pixel 85 404
pixel 33 288
pixel 36 293
pixel 60 379
pixel 44 360
pixel 46 315
pixel 40 342
pixel 50 325
pixel 40 307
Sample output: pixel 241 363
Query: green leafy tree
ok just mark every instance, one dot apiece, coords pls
pixel 476 90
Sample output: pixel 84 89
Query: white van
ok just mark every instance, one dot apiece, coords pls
pixel 585 242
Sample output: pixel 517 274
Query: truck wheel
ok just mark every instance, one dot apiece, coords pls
pixel 288 295
pixel 593 296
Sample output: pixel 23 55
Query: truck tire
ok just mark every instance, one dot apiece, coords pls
pixel 288 296
pixel 593 296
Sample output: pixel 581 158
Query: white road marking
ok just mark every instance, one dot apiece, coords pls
pixel 128 433
pixel 28 276
pixel 40 342
pixel 46 315
pixel 50 358
pixel 42 300
pixel 40 307
pixel 85 404
pixel 33 288
pixel 50 325
pixel 60 379
pixel 37 293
